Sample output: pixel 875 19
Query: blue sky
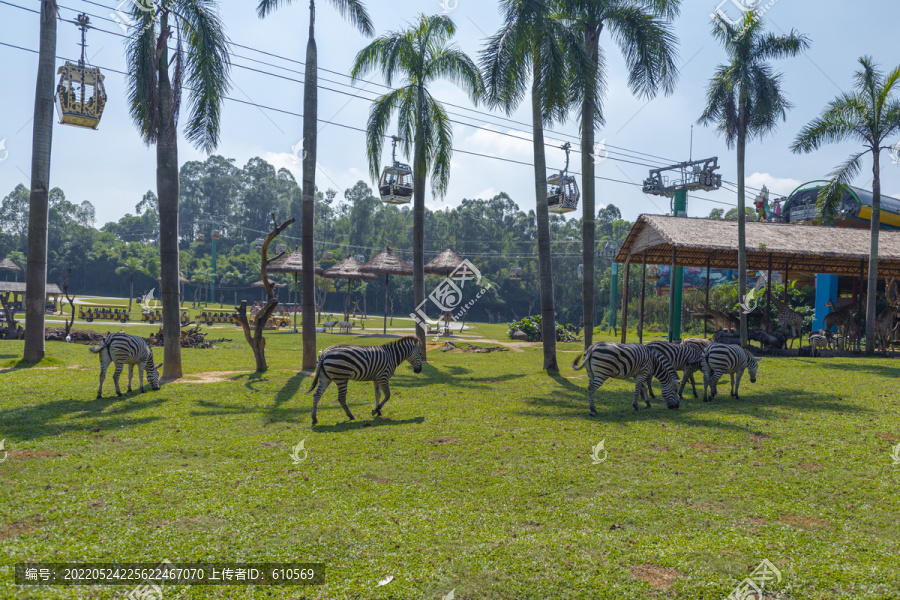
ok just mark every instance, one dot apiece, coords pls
pixel 112 168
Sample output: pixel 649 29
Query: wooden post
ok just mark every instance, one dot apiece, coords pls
pixel 625 302
pixel 706 321
pixel 387 279
pixel 643 290
pixel 672 296
pixel 769 288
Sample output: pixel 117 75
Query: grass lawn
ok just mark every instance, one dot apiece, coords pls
pixel 477 479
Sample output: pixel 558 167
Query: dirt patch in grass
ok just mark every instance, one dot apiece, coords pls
pixel 888 436
pixel 709 447
pixel 658 577
pixel 210 377
pixel 444 440
pixel 34 454
pixel 804 522
pixel 8 530
pixel 809 466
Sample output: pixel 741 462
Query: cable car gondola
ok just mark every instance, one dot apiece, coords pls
pixel 580 271
pixel 653 273
pixel 201 237
pixel 562 190
pixel 396 185
pixel 216 234
pixel 328 255
pixel 80 95
pixel 515 272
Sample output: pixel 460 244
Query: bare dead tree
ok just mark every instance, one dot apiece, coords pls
pixel 9 317
pixel 255 338
pixel 321 294
pixel 357 314
pixel 71 299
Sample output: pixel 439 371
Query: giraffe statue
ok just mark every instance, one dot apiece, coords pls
pixel 721 320
pixel 884 325
pixel 789 318
pixel 843 320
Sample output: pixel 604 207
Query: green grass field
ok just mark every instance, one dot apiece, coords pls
pixel 477 479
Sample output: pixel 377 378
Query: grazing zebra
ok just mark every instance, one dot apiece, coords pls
pixel 624 361
pixel 343 363
pixel 702 344
pixel 684 357
pixel 817 342
pixel 719 359
pixel 122 348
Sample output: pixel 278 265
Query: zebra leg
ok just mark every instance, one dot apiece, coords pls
pixel 649 389
pixel 713 380
pixel 386 386
pixel 377 393
pixel 130 374
pixel 640 380
pixel 737 385
pixel 116 373
pixel 342 397
pixel 140 377
pixel 593 385
pixel 324 382
pixel 103 367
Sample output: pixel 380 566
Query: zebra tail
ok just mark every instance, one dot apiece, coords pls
pixel 582 357
pixel 98 349
pixel 316 378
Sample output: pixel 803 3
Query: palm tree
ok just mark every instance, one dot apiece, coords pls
pixel 200 279
pixel 745 100
pixel 155 72
pixel 420 55
pixel 235 277
pixel 532 42
pixel 355 11
pixel 644 35
pixel 870 115
pixel 39 201
pixel 129 266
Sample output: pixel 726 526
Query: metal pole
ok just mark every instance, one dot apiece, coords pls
pixel 613 296
pixel 706 321
pixel 676 290
pixel 769 289
pixel 212 277
pixel 643 289
pixel 625 302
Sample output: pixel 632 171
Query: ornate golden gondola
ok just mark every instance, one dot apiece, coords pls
pixel 562 190
pixel 80 95
pixel 653 273
pixel 515 272
pixel 396 185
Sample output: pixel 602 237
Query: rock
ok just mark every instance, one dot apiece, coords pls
pixel 519 335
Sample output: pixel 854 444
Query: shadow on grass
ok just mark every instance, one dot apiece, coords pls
pixel 37 421
pixel 361 424
pixel 887 370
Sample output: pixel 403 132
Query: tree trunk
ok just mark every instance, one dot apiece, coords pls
pixel 132 292
pixel 39 201
pixel 872 287
pixel 167 186
pixel 588 107
pixel 420 172
pixel 310 114
pixel 548 316
pixel 742 219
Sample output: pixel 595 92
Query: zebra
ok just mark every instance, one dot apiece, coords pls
pixel 816 343
pixel 624 361
pixel 702 344
pixel 684 357
pixel 122 348
pixel 719 359
pixel 343 363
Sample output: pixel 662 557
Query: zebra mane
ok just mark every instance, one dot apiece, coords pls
pixel 404 339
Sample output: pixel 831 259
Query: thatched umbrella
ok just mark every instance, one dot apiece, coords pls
pixel 181 281
pixel 387 263
pixel 348 269
pixel 259 284
pixel 292 263
pixel 8 265
pixel 444 263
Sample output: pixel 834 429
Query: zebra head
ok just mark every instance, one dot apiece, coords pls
pixel 753 367
pixel 153 373
pixel 667 376
pixel 415 356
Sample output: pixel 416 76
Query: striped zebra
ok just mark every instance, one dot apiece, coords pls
pixel 122 348
pixel 719 359
pixel 625 361
pixel 684 357
pixel 817 343
pixel 702 344
pixel 343 363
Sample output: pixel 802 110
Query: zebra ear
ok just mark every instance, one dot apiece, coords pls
pixel 758 359
pixel 159 366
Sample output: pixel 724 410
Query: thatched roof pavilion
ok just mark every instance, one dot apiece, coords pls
pixel 259 284
pixel 8 265
pixel 292 263
pixel 348 269
pixel 444 263
pixel 388 263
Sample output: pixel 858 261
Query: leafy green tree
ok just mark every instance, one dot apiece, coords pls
pixel 19 259
pixel 128 267
pixel 235 278
pixel 745 100
pixel 156 73
pixel 870 115
pixel 421 55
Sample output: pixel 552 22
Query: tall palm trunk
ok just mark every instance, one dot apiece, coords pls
pixel 419 216
pixel 39 201
pixel 310 113
pixel 872 287
pixel 588 107
pixel 548 317
pixel 131 293
pixel 742 219
pixel 167 186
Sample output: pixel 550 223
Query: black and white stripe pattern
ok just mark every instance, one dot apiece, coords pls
pixel 684 357
pixel 123 349
pixel 719 359
pixel 627 361
pixel 344 363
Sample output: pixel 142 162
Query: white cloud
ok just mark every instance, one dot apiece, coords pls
pixel 778 186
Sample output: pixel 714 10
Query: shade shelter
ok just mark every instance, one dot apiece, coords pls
pixel 292 263
pixel 181 281
pixel 710 243
pixel 387 263
pixel 17 290
pixel 348 269
pixel 8 265
pixel 259 284
pixel 444 263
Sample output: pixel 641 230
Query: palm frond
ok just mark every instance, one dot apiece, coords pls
pixel 355 12
pixel 771 46
pixel 393 52
pixel 829 199
pixel 377 127
pixel 439 147
pixel 266 7
pixel 505 65
pixel 143 74
pixel 455 65
pixel 650 49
